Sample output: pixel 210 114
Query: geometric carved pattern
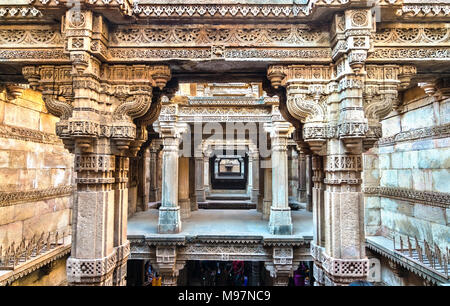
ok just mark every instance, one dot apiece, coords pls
pixel 10 198
pixel 20 133
pixel 90 270
pixel 214 36
pixel 421 133
pixel 432 198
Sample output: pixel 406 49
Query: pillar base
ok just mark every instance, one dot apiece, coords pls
pixel 91 272
pixel 330 271
pixel 280 221
pixel 169 221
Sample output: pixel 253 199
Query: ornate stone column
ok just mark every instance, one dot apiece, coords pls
pixel 183 187
pixel 293 175
pixel 159 169
pixel 206 172
pixel 154 150
pixel 199 176
pixel 340 107
pixel 309 182
pixel 170 131
pixel 99 106
pixel 280 222
pixel 267 203
pixel 250 176
pixel 302 197
pixel 255 177
pixel 143 179
pixel 192 184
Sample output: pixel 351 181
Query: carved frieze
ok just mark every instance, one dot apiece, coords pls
pixel 14 197
pixel 230 36
pixel 20 133
pixel 433 198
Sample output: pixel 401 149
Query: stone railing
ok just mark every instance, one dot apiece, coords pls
pixel 428 254
pixel 15 255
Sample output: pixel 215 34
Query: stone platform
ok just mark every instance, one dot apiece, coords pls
pixel 221 222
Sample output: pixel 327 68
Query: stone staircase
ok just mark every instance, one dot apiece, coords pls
pixel 227 201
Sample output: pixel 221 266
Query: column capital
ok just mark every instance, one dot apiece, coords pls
pixel 279 129
pixel 78 93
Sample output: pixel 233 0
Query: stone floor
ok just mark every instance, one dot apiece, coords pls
pixel 220 222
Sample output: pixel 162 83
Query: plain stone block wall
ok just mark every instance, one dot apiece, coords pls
pixel 416 165
pixel 29 165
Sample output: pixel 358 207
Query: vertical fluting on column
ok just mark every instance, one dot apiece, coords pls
pixel 280 221
pixel 183 188
pixel 169 212
pixel 293 175
pixel 250 176
pixel 267 203
pixel 199 177
pixel 121 243
pixel 153 171
pixel 206 173
pixel 255 177
pixel 143 180
pixel 309 182
pixel 318 200
pixel 302 197
pixel 159 169
pixel 192 184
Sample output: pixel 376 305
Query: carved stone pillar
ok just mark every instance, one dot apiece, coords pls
pixel 293 175
pixel 267 203
pixel 206 173
pixel 143 180
pixel 98 106
pixel 183 187
pixel 120 220
pixel 199 177
pixel 280 222
pixel 318 200
pixel 255 178
pixel 159 170
pixel 302 183
pixel 169 212
pixel 309 182
pixel 340 107
pixel 250 176
pixel 154 150
pixel 192 185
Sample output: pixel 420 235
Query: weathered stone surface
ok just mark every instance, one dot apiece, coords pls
pixel 441 180
pixel 397 206
pixel 430 213
pixel 389 178
pixel 404 179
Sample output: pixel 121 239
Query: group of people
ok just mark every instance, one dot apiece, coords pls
pixel 301 275
pixel 223 273
pixel 235 273
pixel 152 278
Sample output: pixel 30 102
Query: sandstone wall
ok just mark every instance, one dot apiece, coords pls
pixel 412 158
pixel 35 170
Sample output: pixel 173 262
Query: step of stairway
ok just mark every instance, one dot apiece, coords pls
pixel 226 197
pixel 226 204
